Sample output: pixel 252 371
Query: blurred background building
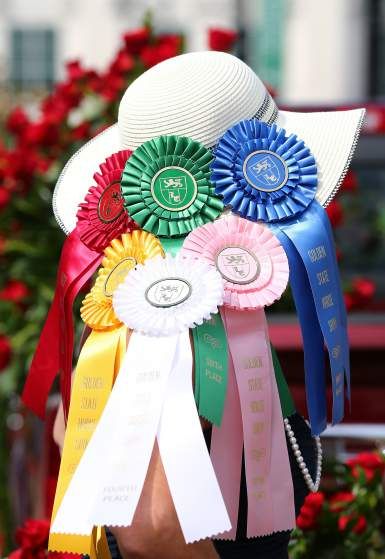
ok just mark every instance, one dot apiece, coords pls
pixel 312 52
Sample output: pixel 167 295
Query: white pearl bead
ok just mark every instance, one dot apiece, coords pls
pixel 312 486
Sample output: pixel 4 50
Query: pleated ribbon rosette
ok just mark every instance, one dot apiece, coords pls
pixel 263 174
pixel 98 365
pixel 255 272
pixel 152 399
pixel 101 218
pixel 167 189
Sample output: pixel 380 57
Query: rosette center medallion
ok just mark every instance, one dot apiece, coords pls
pixel 265 170
pixel 174 188
pixel 117 275
pixel 168 292
pixel 110 204
pixel 238 265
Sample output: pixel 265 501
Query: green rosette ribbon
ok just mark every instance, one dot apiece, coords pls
pixel 166 186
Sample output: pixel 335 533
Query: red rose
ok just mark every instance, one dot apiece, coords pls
pixel 123 63
pixel 350 182
pixel 15 291
pixel 135 40
pixel 82 132
pixel 45 132
pixel 335 213
pixel 357 523
pixel 75 70
pixel 113 85
pixel 363 290
pixel 17 120
pixel 310 511
pixel 305 522
pixel 340 500
pixel 368 462
pixel 5 352
pixel 315 500
pixel 5 197
pixel 165 47
pixel 222 39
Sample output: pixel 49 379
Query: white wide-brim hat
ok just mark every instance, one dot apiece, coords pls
pixel 201 95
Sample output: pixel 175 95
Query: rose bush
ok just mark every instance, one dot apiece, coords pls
pixel 347 519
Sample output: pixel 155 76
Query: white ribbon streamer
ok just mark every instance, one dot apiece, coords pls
pixel 194 488
pixel 106 486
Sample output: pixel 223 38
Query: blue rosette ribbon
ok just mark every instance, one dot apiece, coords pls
pixel 264 174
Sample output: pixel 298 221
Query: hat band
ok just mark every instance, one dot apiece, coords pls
pixel 268 106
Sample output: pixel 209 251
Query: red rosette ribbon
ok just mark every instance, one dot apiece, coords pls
pixel 101 218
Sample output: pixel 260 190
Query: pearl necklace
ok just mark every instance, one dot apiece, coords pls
pixel 313 486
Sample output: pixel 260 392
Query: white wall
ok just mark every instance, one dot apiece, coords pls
pixel 325 51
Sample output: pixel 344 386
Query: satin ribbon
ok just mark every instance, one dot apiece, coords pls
pixel 312 241
pixel 269 483
pixel 99 362
pixel 211 365
pixel 340 300
pixel 108 487
pixel 313 344
pixel 185 457
pixel 54 351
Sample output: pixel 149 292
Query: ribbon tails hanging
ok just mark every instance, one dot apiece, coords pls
pixel 265 175
pixel 255 271
pixel 98 365
pixel 101 218
pixel 152 398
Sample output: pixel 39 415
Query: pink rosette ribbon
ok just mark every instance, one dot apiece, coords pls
pixel 255 271
pixel 101 218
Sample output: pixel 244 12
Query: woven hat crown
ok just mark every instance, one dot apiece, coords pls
pixel 199 95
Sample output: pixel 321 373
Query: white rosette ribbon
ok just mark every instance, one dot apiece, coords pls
pixel 152 399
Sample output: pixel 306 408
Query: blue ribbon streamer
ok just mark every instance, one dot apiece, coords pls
pixel 313 243
pixel 313 343
pixel 262 174
pixel 342 308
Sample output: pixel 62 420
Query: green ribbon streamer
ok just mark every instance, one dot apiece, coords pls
pixel 211 364
pixel 287 403
pixel 172 245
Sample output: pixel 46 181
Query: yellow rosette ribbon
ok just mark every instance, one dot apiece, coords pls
pixel 98 365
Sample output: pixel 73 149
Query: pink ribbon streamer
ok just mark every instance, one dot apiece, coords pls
pixel 269 484
pixel 226 451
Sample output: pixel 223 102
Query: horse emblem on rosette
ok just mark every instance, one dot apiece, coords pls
pixel 265 171
pixel 174 189
pixel 168 292
pixel 237 264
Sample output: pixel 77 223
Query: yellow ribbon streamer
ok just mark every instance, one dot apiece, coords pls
pixel 98 365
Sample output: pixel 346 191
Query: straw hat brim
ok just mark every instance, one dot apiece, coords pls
pixel 331 136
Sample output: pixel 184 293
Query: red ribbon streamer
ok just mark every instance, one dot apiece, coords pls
pixel 54 351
